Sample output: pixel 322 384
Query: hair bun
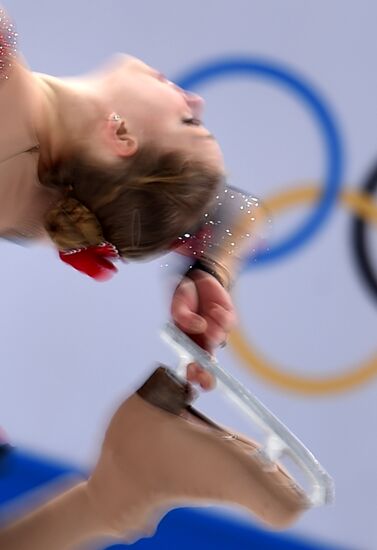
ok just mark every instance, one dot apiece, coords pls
pixel 71 225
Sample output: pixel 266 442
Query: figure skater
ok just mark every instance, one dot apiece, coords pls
pixel 114 165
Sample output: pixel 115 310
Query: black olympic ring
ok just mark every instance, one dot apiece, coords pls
pixel 359 239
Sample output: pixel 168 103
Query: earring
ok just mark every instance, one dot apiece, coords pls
pixel 115 117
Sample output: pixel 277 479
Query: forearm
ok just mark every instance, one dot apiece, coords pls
pixel 63 523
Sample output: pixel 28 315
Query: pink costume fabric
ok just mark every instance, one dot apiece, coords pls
pixel 23 200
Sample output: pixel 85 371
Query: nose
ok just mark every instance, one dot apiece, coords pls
pixel 194 100
pixel 196 103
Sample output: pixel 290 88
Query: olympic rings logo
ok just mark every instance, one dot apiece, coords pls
pixel 359 202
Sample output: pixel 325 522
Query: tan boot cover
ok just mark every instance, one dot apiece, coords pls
pixel 154 460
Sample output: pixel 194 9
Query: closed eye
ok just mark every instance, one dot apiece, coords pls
pixel 192 121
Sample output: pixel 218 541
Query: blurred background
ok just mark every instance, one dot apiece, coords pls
pixel 290 91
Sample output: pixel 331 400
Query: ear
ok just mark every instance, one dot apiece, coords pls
pixel 122 143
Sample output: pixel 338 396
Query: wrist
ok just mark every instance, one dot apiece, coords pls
pixel 217 270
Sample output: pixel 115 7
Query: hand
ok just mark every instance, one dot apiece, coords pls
pixel 203 309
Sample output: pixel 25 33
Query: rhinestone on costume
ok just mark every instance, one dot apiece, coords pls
pixel 233 224
pixel 8 45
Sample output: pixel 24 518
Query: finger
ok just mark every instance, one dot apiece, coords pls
pixel 224 318
pixel 192 372
pixel 215 334
pixel 202 377
pixel 192 323
pixel 206 380
pixel 188 320
pixel 197 374
pixel 223 297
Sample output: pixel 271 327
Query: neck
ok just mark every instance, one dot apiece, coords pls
pixel 69 114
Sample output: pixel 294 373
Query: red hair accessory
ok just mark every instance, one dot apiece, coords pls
pixel 92 260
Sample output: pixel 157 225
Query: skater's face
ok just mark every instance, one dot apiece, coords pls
pixel 156 111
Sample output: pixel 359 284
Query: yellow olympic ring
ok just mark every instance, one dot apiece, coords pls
pixel 361 204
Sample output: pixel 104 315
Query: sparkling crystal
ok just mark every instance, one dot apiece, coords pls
pixel 8 45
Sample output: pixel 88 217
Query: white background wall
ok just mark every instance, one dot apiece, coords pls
pixel 71 348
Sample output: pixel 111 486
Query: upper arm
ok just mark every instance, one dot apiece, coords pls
pixel 18 95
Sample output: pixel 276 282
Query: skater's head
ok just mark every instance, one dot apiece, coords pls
pixel 144 164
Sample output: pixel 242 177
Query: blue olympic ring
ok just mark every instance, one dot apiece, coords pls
pixel 311 99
